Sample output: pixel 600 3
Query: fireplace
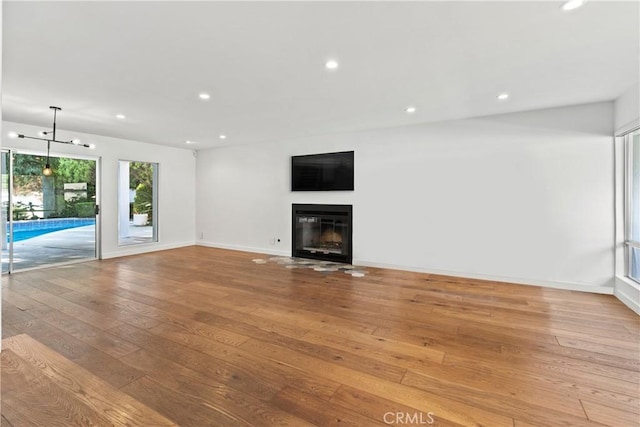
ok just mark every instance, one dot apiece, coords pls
pixel 322 232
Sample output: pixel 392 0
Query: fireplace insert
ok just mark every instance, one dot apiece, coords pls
pixel 322 232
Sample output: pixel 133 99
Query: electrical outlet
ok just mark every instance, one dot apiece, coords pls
pixel 201 236
pixel 272 241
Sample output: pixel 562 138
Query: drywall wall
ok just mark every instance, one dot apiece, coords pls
pixel 627 110
pixel 524 197
pixel 176 184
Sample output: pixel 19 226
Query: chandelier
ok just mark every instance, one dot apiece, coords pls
pixel 47 171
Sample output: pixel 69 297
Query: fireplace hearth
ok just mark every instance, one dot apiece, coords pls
pixel 322 232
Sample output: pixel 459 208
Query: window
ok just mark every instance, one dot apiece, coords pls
pixel 137 203
pixel 632 229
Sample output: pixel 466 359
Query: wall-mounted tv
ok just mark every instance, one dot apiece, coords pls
pixel 322 172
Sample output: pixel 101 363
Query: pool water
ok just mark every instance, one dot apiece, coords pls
pixel 23 230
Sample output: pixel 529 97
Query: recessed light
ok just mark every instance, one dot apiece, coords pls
pixel 92 146
pixel 572 4
pixel 42 133
pixel 410 110
pixel 189 142
pixel 121 116
pixel 12 134
pixel 331 64
pixel 204 96
pixel 223 136
pixel 503 96
pixel 75 141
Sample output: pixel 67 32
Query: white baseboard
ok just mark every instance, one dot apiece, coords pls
pixel 628 292
pixel 144 248
pixel 569 286
pixel 244 248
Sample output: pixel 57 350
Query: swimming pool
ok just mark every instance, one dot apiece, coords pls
pixel 23 230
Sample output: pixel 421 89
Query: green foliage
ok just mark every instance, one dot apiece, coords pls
pixel 25 184
pixel 28 178
pixel 75 170
pixel 22 211
pixel 140 173
pixel 28 164
pixel 141 179
pixel 86 209
pixel 143 202
pixel 79 207
pixel 27 172
pixel 69 170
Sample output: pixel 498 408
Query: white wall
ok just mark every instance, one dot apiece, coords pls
pixel 524 197
pixel 176 184
pixel 627 117
pixel 627 110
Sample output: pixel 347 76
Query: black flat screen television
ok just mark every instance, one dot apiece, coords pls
pixel 322 172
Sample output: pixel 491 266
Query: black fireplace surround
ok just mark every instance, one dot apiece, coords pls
pixel 322 232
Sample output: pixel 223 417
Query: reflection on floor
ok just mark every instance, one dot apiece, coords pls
pixel 316 265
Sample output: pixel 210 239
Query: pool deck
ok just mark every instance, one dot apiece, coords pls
pixel 71 244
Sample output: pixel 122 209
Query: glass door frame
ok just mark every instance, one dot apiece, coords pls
pixel 98 229
pixel 154 238
pixel 8 164
pixel 629 243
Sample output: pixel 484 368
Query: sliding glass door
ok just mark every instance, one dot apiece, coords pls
pixel 5 224
pixel 47 219
pixel 632 152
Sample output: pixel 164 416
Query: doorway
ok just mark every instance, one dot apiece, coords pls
pixel 48 220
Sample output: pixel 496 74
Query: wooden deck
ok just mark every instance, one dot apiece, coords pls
pixel 205 337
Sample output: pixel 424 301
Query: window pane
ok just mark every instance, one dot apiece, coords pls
pixel 635 188
pixel 634 263
pixel 633 222
pixel 137 206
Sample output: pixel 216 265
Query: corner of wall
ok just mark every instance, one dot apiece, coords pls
pixel 627 110
pixel 145 248
pixel 606 289
pixel 243 248
pixel 628 292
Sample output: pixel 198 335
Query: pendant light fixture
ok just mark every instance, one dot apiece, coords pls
pixel 47 170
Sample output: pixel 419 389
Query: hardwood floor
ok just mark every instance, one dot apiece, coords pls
pixel 205 337
pixel 43 388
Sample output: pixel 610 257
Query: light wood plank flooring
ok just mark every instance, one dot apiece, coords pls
pixel 205 337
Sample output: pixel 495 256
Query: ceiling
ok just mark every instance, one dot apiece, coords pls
pixel 263 63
